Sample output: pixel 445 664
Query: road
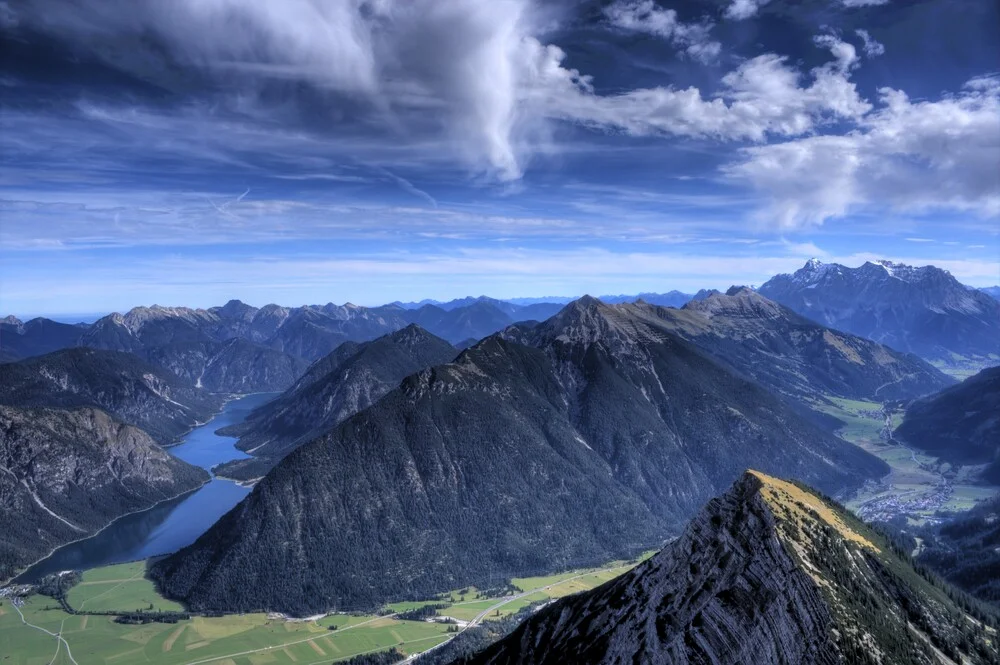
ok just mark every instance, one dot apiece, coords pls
pixel 59 638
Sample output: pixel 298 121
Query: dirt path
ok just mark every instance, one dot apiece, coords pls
pixel 59 638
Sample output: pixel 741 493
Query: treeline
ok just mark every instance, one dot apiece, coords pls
pixel 421 613
pixel 389 657
pixel 147 617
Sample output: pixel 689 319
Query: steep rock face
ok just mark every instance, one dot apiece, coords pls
pixel 767 573
pixel 599 438
pixel 923 310
pixel 319 401
pixel 65 473
pixel 121 384
pixel 797 357
pixel 960 424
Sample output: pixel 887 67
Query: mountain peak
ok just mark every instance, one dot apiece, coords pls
pixel 771 564
pixel 738 302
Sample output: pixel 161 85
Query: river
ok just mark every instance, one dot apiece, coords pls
pixel 170 525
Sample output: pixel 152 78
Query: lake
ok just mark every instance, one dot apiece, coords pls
pixel 173 524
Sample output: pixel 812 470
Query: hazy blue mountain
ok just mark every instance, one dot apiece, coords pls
pixel 596 436
pixel 35 337
pixel 125 386
pixel 349 380
pixel 993 291
pixel 923 310
pixel 769 572
pixel 669 299
pixel 960 424
pixel 69 472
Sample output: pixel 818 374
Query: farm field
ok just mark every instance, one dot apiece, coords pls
pixel 247 639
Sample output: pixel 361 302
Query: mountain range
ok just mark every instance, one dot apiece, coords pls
pixel 769 572
pixel 594 434
pixel 923 310
pixel 801 359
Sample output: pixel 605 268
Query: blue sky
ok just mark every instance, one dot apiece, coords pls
pixel 190 152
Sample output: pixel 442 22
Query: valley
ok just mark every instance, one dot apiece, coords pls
pixel 250 639
pixel 170 524
pixel 919 486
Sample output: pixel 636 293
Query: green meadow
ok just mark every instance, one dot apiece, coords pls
pixel 241 639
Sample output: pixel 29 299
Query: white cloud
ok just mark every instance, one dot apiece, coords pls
pixel 648 17
pixel 910 155
pixel 845 53
pixel 863 3
pixel 872 47
pixel 469 79
pixel 739 10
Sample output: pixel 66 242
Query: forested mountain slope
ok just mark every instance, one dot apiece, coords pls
pixel 335 387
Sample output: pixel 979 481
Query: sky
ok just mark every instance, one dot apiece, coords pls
pixel 312 151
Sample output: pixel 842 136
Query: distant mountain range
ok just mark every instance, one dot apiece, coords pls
pixel 337 386
pixel 960 424
pixel 769 572
pixel 237 348
pixel 595 434
pixel 68 472
pixel 923 310
pixel 512 305
pixel 993 291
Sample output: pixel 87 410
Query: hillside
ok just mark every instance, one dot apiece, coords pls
pixel 599 439
pixel 966 550
pixel 336 387
pixel 69 472
pixel 131 390
pixel 233 366
pixel 795 356
pixel 923 310
pixel 767 573
pixel 960 424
